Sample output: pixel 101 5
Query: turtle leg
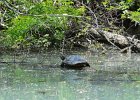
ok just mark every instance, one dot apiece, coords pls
pixel 87 65
pixel 63 65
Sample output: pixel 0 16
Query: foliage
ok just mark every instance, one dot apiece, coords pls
pixel 129 13
pixel 40 22
pixel 133 15
pixel 129 8
pixel 18 31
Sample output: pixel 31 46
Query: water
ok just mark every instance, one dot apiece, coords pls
pixel 38 76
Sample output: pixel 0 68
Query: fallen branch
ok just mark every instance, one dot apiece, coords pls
pixel 117 40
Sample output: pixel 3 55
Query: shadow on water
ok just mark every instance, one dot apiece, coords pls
pixel 40 77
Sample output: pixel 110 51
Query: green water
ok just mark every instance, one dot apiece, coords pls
pixel 39 77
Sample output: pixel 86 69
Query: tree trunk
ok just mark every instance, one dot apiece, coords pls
pixel 117 40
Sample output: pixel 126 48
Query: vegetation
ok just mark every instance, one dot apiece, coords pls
pixel 43 23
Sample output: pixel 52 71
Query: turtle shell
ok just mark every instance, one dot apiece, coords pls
pixel 74 61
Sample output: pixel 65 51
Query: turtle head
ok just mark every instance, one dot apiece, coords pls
pixel 62 57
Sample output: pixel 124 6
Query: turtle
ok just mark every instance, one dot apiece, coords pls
pixel 74 62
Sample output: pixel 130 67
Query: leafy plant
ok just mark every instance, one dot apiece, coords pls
pixel 18 31
pixel 129 8
pixel 42 19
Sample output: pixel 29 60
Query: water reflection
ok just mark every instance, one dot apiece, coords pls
pixel 39 77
